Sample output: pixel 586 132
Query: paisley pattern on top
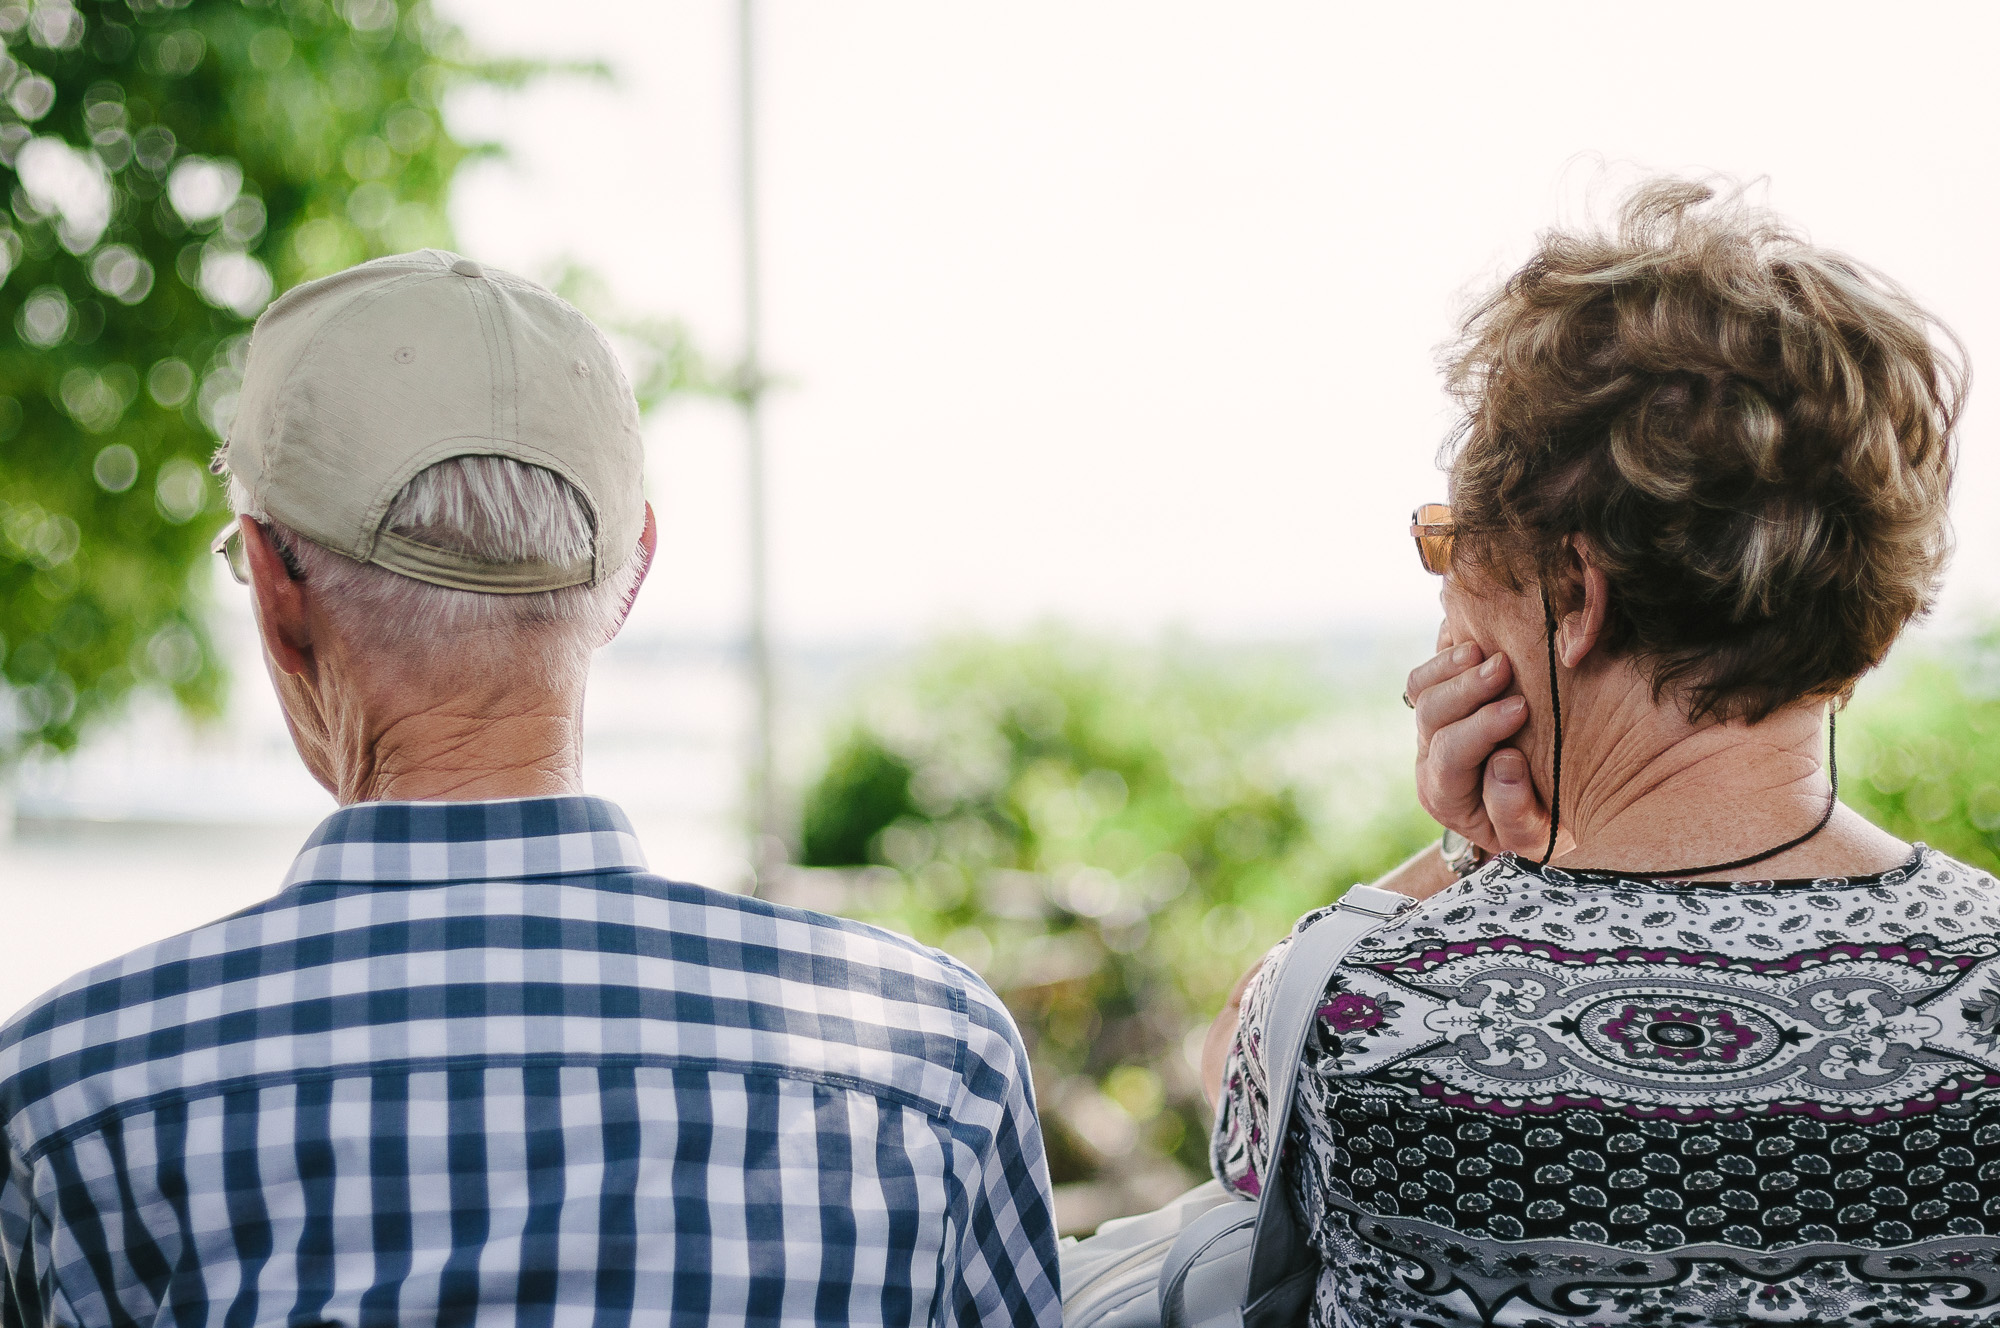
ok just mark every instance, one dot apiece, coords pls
pixel 1550 1097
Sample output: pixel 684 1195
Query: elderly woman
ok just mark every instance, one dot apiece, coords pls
pixel 1674 1036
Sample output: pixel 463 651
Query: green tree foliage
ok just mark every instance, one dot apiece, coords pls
pixel 1920 749
pixel 170 164
pixel 1110 836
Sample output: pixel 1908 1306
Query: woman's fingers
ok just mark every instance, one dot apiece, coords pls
pixel 1458 751
pixel 1451 770
pixel 1445 664
pixel 1452 699
pixel 1513 807
pixel 1466 778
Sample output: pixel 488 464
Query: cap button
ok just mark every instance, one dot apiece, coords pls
pixel 465 267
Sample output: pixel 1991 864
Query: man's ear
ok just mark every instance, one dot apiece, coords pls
pixel 282 619
pixel 1581 628
pixel 649 540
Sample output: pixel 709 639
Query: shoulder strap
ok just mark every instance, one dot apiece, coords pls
pixel 1278 1250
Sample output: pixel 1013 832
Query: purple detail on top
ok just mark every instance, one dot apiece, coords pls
pixel 1678 1034
pixel 1915 958
pixel 1351 1012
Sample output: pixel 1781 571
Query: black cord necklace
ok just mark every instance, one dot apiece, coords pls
pixel 1556 707
pixel 1679 873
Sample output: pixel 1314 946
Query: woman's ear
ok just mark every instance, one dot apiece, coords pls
pixel 1581 628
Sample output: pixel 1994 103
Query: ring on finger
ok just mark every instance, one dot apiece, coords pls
pixel 1406 699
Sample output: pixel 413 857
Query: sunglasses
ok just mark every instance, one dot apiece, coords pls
pixel 1432 528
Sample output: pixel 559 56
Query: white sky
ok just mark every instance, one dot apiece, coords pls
pixel 1125 312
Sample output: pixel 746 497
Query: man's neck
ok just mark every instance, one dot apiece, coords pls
pixel 457 757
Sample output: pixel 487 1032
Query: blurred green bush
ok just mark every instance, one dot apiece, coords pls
pixel 1110 834
pixel 1920 747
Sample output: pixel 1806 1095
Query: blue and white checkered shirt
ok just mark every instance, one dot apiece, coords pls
pixel 474 1065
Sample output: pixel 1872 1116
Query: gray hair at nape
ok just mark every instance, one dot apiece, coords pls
pixel 491 508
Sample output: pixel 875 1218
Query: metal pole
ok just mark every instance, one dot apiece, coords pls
pixel 768 854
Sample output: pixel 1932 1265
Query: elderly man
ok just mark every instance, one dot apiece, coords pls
pixel 473 1062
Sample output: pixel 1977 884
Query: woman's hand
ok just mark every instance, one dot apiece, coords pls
pixel 1466 778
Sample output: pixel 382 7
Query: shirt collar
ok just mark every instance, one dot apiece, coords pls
pixel 412 843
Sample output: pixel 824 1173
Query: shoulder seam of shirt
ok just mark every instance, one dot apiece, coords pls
pixel 961 1007
pixel 97 1120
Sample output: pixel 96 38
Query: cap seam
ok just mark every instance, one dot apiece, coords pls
pixel 305 357
pixel 378 506
pixel 377 511
pixel 505 330
pixel 490 332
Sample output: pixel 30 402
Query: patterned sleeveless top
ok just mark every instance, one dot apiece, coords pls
pixel 1550 1098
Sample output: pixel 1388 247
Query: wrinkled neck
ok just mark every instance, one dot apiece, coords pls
pixel 1645 789
pixel 374 729
pixel 454 756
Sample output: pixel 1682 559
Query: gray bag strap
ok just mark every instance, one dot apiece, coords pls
pixel 1278 1252
pixel 1263 1266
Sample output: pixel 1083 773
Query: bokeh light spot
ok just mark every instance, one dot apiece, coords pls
pixel 271 49
pixel 116 468
pixel 45 317
pixel 96 400
pixel 69 185
pixel 55 25
pixel 121 273
pixel 170 381
pixel 181 491
pixel 369 206
pixel 202 188
pixel 173 654
pixel 32 97
pixel 153 147
pixel 177 54
pixel 231 279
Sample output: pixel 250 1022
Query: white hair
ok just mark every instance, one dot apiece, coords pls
pixel 491 508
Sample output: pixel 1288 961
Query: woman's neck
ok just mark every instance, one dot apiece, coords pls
pixel 1647 791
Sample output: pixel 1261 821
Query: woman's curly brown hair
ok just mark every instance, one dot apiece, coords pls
pixel 1754 435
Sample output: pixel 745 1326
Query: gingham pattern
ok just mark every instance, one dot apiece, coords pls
pixel 474 1064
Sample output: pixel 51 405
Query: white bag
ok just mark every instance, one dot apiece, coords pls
pixel 1210 1259
pixel 1112 1279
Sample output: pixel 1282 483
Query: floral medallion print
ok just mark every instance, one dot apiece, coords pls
pixel 1348 1012
pixel 1839 1032
pixel 1690 1034
pixel 1547 1098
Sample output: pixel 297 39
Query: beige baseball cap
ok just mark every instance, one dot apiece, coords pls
pixel 358 381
